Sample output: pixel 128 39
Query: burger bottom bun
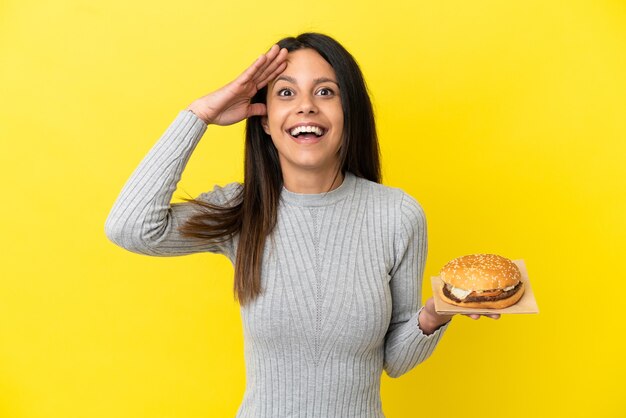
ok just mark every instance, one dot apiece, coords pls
pixel 493 304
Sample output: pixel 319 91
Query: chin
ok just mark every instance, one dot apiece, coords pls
pixel 307 162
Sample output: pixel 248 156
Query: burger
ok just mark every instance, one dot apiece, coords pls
pixel 481 281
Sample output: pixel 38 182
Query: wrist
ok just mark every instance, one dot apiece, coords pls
pixel 430 321
pixel 198 114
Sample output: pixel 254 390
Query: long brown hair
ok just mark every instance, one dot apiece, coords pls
pixel 252 213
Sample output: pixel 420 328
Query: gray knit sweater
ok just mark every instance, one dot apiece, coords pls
pixel 341 278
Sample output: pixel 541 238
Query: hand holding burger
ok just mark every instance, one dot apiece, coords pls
pixel 430 320
pixel 487 281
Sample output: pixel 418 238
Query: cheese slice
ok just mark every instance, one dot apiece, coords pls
pixel 459 293
pixel 462 293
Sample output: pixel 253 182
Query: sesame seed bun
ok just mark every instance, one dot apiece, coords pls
pixel 481 272
pixel 481 281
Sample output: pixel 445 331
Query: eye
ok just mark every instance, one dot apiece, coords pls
pixel 325 91
pixel 285 92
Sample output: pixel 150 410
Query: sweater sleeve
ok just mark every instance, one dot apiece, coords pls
pixel 405 344
pixel 142 219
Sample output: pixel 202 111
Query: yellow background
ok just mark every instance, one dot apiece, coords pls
pixel 505 119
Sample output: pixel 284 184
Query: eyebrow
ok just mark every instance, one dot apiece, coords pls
pixel 316 81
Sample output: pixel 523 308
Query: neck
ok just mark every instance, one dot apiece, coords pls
pixel 311 182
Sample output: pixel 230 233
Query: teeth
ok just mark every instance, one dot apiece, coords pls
pixel 316 130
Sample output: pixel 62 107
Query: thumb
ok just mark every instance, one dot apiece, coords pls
pixel 257 109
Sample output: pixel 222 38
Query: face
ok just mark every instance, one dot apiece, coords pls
pixel 304 114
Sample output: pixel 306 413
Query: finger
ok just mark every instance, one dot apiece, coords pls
pixel 249 73
pixel 257 109
pixel 272 76
pixel 273 52
pixel 270 55
pixel 278 61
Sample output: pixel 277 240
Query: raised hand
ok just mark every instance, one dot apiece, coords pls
pixel 231 103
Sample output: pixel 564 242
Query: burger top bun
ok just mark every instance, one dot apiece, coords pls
pixel 481 272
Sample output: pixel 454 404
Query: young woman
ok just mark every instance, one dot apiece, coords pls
pixel 328 261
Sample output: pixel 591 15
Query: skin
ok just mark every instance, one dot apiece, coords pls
pixel 307 168
pixel 306 92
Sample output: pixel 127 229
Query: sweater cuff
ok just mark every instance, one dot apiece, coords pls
pixel 187 115
pixel 435 333
pixel 186 111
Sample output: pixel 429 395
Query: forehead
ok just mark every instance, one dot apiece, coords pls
pixel 306 64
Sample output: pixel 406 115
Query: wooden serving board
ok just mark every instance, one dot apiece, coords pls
pixel 526 305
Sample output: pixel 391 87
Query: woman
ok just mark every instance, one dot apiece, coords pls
pixel 332 297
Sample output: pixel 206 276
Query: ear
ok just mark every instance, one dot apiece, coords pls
pixel 266 126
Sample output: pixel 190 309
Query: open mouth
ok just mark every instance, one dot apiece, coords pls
pixel 307 132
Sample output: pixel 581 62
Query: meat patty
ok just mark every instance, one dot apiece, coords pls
pixel 473 298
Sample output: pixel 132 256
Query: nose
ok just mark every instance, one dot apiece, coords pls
pixel 306 105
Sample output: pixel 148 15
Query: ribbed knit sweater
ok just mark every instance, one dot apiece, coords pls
pixel 341 278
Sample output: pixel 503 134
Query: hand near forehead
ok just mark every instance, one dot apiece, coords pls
pixel 231 103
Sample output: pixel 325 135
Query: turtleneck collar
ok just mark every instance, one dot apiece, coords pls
pixel 321 199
